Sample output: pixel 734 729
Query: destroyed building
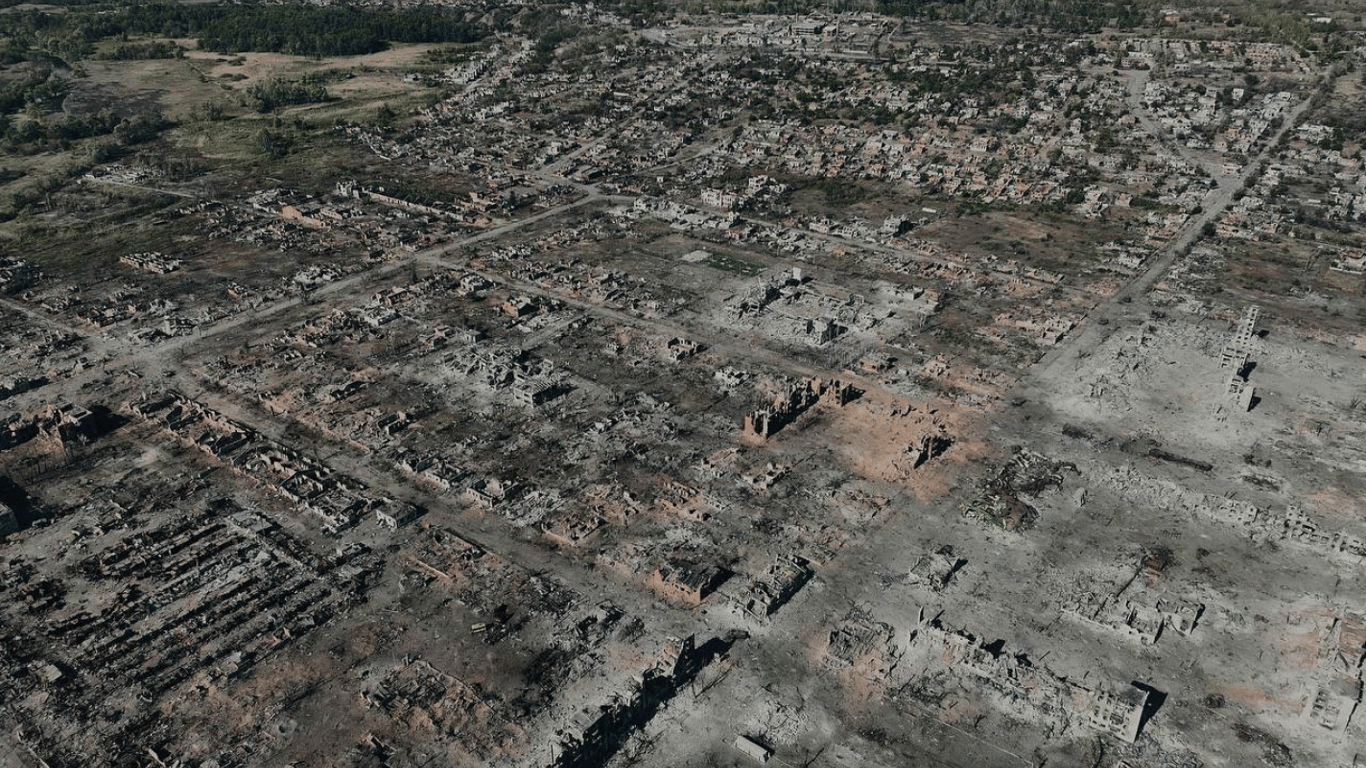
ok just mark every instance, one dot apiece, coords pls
pixel 793 402
pixel 412 439
pixel 1234 357
pixel 1117 711
pixel 765 593
pixel 686 581
pixel 936 569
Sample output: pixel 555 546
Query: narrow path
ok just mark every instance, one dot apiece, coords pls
pixel 1138 82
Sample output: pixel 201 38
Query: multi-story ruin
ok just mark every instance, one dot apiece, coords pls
pixel 793 402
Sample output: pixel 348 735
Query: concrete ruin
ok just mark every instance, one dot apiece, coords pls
pixel 1235 358
pixel 793 402
pixel 765 593
pixel 1117 711
pixel 934 570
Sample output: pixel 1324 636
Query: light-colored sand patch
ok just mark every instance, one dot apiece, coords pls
pixel 257 66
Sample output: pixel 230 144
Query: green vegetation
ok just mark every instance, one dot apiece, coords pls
pixel 301 30
pixel 733 265
pixel 840 194
pixel 322 31
pixel 94 244
pixel 65 106
pixel 543 53
pixel 153 49
pixel 32 135
pixel 1147 202
pixel 272 94
pixel 1275 26
pixel 43 50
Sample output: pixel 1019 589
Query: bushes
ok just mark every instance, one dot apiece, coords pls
pixel 156 49
pixel 140 128
pixel 269 95
pixel 275 143
pixel 36 135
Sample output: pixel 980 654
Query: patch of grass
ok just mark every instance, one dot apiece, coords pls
pixel 94 245
pixel 177 84
pixel 839 193
pixel 733 265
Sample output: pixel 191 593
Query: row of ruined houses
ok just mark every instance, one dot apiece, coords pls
pixel 336 500
pixel 874 648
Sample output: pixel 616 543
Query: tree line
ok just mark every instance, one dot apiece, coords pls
pixel 269 95
pixel 38 135
pixel 300 30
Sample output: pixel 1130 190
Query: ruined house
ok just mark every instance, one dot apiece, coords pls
pixel 777 585
pixel 487 493
pixel 931 442
pixel 156 263
pixel 1118 713
pixel 1332 704
pixel 393 514
pixel 792 403
pixel 934 570
pixel 687 582
pixel 865 645
pixel 536 390
pixel 572 528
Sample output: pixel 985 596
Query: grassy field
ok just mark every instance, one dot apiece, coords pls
pixel 72 224
pixel 94 245
pixel 733 265
pixel 176 84
pixel 181 85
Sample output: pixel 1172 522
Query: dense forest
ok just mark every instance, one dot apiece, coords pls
pixel 302 30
